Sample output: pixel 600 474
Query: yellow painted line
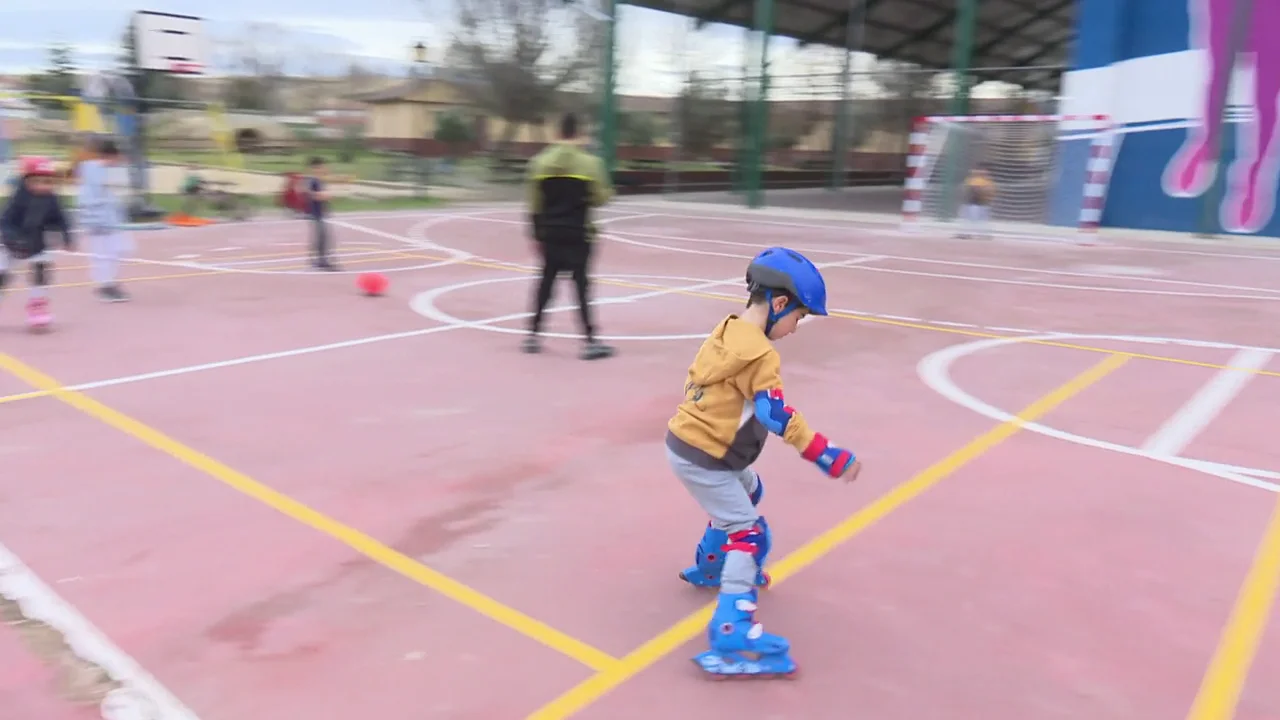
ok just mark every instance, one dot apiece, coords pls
pixel 722 298
pixel 206 273
pixel 220 257
pixel 596 686
pixel 994 336
pixel 356 540
pixel 146 278
pixel 901 323
pixel 1228 670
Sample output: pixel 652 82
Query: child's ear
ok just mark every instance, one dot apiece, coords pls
pixel 780 303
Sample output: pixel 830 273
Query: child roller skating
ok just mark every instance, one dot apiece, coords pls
pixel 32 211
pixel 733 400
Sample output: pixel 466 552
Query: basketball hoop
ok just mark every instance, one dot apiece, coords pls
pixel 186 68
pixel 171 43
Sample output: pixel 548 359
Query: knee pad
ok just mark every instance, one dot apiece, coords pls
pixel 40 274
pixel 758 495
pixel 758 540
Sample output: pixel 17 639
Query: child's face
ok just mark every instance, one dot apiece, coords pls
pixel 41 184
pixel 320 170
pixel 788 323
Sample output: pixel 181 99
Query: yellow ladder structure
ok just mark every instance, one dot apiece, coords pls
pixel 224 137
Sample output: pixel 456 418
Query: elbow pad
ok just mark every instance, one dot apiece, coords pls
pixel 772 410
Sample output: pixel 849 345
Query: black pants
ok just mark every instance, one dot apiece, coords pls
pixel 572 258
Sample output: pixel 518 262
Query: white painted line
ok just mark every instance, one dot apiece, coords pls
pixel 1177 432
pixel 238 264
pixel 735 280
pixel 425 304
pixel 454 256
pixel 890 225
pixel 628 237
pixel 312 349
pixel 935 371
pixel 140 697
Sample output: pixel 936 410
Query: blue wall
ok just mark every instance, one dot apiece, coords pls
pixel 1134 60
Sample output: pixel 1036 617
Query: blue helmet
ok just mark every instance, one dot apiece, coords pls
pixel 781 269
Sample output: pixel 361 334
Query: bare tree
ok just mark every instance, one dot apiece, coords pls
pixel 706 114
pixel 519 58
pixel 905 93
pixel 257 59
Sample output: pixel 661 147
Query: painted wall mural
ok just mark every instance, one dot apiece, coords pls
pixel 1248 203
pixel 1193 91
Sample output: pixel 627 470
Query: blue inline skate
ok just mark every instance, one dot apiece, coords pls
pixel 739 645
pixel 708 558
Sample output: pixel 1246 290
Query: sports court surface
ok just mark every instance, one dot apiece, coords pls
pixel 275 498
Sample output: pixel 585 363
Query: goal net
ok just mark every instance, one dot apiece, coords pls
pixel 1009 175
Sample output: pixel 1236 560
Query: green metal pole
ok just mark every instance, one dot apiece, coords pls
pixel 609 101
pixel 840 130
pixel 1240 21
pixel 961 59
pixel 743 153
pixel 758 140
pixel 962 53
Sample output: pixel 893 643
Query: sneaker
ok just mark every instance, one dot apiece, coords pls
pixel 326 266
pixel 38 315
pixel 112 294
pixel 596 350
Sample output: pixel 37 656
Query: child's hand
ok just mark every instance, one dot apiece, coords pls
pixel 851 473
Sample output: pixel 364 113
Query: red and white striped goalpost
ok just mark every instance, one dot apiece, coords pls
pixel 927 144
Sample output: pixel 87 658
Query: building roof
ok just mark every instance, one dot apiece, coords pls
pixel 401 91
pixel 1008 34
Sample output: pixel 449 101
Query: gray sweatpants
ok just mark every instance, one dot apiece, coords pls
pixel 725 495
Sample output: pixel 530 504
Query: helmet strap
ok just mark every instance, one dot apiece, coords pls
pixel 774 317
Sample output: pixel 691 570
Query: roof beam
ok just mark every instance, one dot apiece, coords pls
pixel 1009 32
pixel 942 24
pixel 721 8
pixel 839 20
pixel 1045 49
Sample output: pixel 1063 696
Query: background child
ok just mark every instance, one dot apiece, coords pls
pixel 317 210
pixel 102 214
pixel 192 190
pixel 733 400
pixel 979 191
pixel 33 210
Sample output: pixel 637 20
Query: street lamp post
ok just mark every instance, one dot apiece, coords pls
pixel 419 54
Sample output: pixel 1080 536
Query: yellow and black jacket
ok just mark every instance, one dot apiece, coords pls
pixel 564 183
pixel 733 400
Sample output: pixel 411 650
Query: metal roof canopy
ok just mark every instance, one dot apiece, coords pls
pixel 1008 34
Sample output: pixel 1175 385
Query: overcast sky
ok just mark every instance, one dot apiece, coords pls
pixel 376 33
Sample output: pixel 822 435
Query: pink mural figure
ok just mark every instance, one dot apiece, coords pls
pixel 1250 197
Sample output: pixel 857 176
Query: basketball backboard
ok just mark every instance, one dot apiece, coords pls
pixel 171 43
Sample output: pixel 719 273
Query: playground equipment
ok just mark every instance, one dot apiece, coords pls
pixel 109 107
pixel 18 115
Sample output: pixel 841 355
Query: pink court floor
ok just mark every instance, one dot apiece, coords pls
pixel 253 493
